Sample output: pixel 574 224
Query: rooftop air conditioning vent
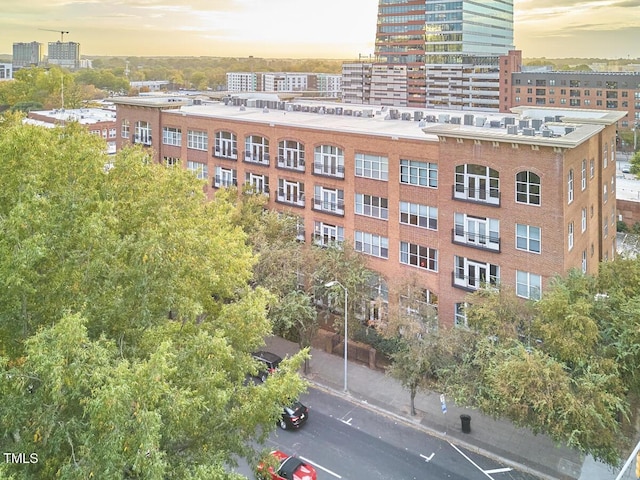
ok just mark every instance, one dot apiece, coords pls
pixel 512 129
pixel 529 132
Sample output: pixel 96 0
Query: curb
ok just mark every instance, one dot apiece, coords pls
pixel 426 429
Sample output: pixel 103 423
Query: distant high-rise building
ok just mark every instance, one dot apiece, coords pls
pixel 450 51
pixel 322 84
pixel 64 54
pixel 26 54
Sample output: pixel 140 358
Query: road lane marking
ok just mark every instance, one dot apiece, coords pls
pixel 499 470
pixel 428 459
pixel 348 422
pixel 320 467
pixel 471 461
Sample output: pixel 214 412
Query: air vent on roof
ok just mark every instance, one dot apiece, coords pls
pixel 509 121
pixel 494 123
pixel 281 105
pixel 406 116
pixel 530 132
pixel 289 108
pixel 242 108
pixel 443 118
pixel 546 132
pixel 523 123
pixel 422 123
pixel 455 120
pixel 512 129
pixel 339 110
pixel 558 118
pixel 331 111
pixel 197 101
pixel 480 121
pixel 549 119
pixel 536 123
pixel 417 115
pixel 468 119
pixel 394 114
pixel 430 118
pixel 348 112
pixel 265 110
pixel 367 112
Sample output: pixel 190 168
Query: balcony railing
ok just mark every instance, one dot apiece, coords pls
pixel 142 139
pixel 228 153
pixel 325 206
pixel 489 196
pixel 260 159
pixel 320 168
pixel 474 239
pixel 220 181
pixel 291 199
pixel 290 163
pixel 471 284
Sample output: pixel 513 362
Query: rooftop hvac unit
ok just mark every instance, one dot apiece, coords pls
pixel 468 119
pixel 558 118
pixel 422 123
pixel 568 130
pixel 495 124
pixel 406 116
pixel 529 132
pixel 226 100
pixel 455 120
pixel 297 108
pixel 509 121
pixel 512 129
pixel 197 101
pixel 289 108
pixel 281 105
pixel 367 112
pixel 430 118
pixel 480 121
pixel 549 119
pixel 331 111
pixel 251 103
pixel 546 132
pixel 348 112
pixel 443 118
pixel 339 110
pixel 305 108
pixel 417 115
pixel 394 114
pixel 536 123
pixel 523 123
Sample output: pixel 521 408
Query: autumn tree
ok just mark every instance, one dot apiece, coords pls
pixel 127 316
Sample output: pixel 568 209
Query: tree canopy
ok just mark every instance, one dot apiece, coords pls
pixel 127 316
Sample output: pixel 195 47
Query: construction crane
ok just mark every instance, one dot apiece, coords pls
pixel 61 32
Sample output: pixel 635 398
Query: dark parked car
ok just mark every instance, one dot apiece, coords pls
pixel 270 361
pixel 294 416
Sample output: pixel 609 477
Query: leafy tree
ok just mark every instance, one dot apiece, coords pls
pixel 127 317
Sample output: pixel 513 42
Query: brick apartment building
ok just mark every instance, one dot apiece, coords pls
pixel 454 199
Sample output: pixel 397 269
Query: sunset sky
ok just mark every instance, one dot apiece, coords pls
pixel 296 28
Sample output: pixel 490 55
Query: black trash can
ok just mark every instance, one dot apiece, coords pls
pixel 466 423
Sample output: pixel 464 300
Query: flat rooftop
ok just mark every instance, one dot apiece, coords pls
pixel 542 126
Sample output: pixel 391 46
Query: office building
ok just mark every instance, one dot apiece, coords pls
pixel 26 55
pixel 600 90
pixel 313 84
pixel 6 71
pixel 64 54
pixel 449 51
pixel 453 200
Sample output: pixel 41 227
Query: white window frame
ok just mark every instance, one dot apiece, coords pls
pixel 258 182
pixel 291 192
pixel 372 166
pixel 326 234
pixel 328 200
pixel 142 132
pixel 197 140
pixel 472 275
pixel 418 215
pixel 371 244
pixel 584 262
pixel 460 314
pixel 200 169
pixel 371 206
pixel 477 183
pixel 125 128
pixel 528 237
pixel 584 219
pixel 476 231
pixel 225 177
pixel 583 177
pixel 226 145
pixel 570 235
pixel 419 173
pixel 291 155
pixel 329 160
pixel 172 136
pixel 425 258
pixel 256 149
pixel 528 285
pixel 570 186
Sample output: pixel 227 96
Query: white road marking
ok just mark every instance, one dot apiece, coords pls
pixel 428 459
pixel 320 467
pixel 499 470
pixel 348 422
pixel 471 461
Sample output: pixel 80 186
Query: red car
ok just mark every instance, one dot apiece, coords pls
pixel 289 468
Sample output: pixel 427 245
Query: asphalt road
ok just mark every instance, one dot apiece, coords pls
pixel 348 441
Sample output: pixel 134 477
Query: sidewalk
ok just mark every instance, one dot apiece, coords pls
pixel 498 439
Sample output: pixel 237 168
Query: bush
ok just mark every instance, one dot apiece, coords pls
pixel 383 345
pixel 622 227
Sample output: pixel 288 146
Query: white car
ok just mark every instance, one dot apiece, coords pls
pixel 626 168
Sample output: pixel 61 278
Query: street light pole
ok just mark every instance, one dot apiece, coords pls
pixel 346 338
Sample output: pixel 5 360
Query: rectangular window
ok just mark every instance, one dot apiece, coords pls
pixel 423 174
pixel 372 206
pixel 472 275
pixel 125 129
pixel 570 186
pixel 225 177
pixel 326 234
pixel 570 235
pixel 290 192
pixel 584 219
pixel 329 160
pixel 200 169
pixel 460 318
pixel 171 136
pixel 419 215
pixel 328 200
pixel 528 238
pixel 584 261
pixel 256 183
pixel 197 140
pixel 605 193
pixel 371 244
pixel 477 231
pixel 372 166
pixel 419 256
pixel 226 145
pixel 528 285
pixel 592 168
pixel 584 174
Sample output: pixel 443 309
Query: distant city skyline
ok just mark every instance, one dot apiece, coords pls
pixel 341 29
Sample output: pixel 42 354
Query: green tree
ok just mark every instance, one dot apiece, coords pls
pixel 127 316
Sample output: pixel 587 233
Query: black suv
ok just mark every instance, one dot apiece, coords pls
pixel 270 361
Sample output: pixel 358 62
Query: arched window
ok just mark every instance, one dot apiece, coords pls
pixel 528 188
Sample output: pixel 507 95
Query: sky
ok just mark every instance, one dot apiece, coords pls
pixel 339 29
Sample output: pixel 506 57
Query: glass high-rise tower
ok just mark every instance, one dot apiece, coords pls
pixel 450 49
